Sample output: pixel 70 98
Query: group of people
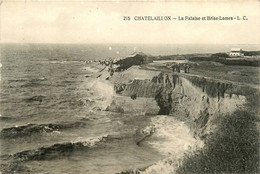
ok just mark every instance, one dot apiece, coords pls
pixel 111 69
pixel 186 68
pixel 107 62
pixel 177 68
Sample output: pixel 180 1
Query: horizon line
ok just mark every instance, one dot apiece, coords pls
pixel 66 43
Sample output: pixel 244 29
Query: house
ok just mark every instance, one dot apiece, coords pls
pixel 236 52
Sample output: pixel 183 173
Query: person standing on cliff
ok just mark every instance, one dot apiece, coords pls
pixel 178 68
pixel 111 71
pixel 173 68
pixel 185 68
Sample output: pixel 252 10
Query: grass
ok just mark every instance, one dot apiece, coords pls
pixel 239 74
pixel 224 61
pixel 233 148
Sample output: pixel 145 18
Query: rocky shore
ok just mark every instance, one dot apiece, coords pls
pixel 200 101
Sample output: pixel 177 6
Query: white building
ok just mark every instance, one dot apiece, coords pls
pixel 236 52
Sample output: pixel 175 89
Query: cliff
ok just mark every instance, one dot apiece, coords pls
pixel 223 114
pixel 196 100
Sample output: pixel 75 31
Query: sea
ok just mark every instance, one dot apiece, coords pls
pixel 52 118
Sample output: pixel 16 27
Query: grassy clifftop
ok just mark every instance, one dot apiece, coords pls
pixel 233 148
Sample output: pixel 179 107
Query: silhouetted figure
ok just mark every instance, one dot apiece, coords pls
pixel 178 68
pixel 185 68
pixel 174 68
pixel 133 96
pixel 188 68
pixel 111 72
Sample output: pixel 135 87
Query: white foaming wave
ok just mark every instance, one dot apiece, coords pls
pixel 91 69
pixel 88 84
pixel 172 138
pixel 164 166
pixel 56 132
pixel 62 61
pixel 42 78
pixel 175 137
pixel 104 93
pixel 90 141
pixel 149 130
pixel 56 62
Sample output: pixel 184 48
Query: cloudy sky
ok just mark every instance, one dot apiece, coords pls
pixel 102 22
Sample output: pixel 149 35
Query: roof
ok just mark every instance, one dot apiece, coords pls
pixel 235 49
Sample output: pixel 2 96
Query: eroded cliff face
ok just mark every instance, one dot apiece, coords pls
pixel 202 103
pixel 196 100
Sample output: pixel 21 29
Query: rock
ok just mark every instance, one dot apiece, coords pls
pixel 96 108
pixel 115 108
pixel 133 96
pixel 141 135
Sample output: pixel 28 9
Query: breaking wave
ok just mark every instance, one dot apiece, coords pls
pixel 3 118
pixel 105 93
pixel 91 69
pixel 172 139
pixel 27 130
pixel 35 98
pixel 58 150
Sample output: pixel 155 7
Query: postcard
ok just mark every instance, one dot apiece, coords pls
pixel 129 87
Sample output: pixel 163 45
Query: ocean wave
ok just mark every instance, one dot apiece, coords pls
pixel 17 80
pixel 38 98
pixel 38 79
pixel 3 118
pixel 88 119
pixel 59 149
pixel 104 91
pixel 27 130
pixel 172 137
pixel 166 166
pixel 31 84
pixel 71 81
pixel 27 80
pixel 86 101
pixel 91 69
pixel 13 167
pixel 56 61
pixel 35 84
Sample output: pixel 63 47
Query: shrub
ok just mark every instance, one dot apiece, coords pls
pixel 217 55
pixel 233 148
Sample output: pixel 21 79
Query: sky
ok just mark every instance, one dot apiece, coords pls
pixel 102 22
